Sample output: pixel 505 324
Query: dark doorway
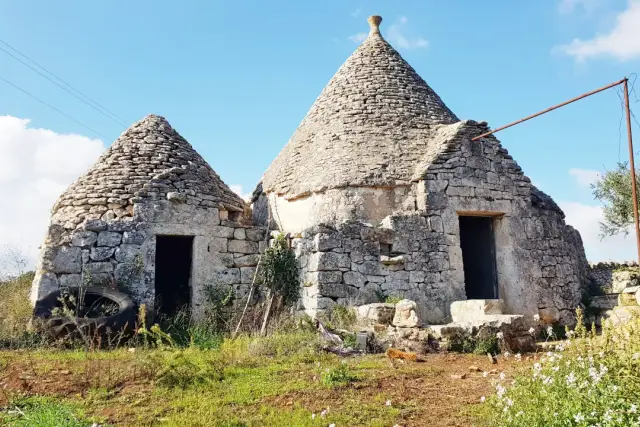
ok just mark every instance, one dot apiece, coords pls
pixel 478 256
pixel 173 273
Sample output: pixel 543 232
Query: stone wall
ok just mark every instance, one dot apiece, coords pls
pixel 540 260
pixel 602 275
pixel 121 253
pixel 355 263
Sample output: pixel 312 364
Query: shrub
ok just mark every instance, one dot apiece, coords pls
pixel 339 317
pixel 587 380
pixel 486 345
pixel 340 375
pixel 15 309
pixel 393 299
pixel 468 344
pixel 279 270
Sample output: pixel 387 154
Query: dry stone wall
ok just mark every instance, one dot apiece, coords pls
pixel 540 260
pixel 121 253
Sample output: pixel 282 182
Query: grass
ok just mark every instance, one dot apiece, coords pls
pixel 43 412
pixel 278 380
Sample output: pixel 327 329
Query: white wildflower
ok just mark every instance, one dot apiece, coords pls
pixel 500 390
pixel 547 380
pixel 532 331
pixel 518 357
pixel 549 330
pixel 482 399
pixel 633 409
pixel 537 367
pixel 536 317
pixel 578 417
pixel 555 368
pixel 485 374
pixel 332 425
pixel 571 379
pixel 506 354
pixel 570 334
pixel 387 403
pixel 635 356
pixel 509 402
pixel 502 375
pixel 500 335
pixel 607 415
pixel 324 412
pixel 313 416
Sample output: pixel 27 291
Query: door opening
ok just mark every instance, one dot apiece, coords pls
pixel 173 274
pixel 478 257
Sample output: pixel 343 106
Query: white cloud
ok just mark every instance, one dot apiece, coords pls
pixel 237 188
pixel 570 6
pixel 622 42
pixel 396 36
pixel 584 177
pixel 358 38
pixel 586 219
pixel 36 165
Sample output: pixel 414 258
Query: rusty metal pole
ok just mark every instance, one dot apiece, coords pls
pixel 593 92
pixel 634 187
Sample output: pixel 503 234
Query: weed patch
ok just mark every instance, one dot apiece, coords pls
pixel 341 375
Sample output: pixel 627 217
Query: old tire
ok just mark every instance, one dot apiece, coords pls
pixel 109 327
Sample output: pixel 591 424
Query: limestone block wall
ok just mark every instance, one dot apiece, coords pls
pixel 355 263
pixel 540 260
pixel 121 253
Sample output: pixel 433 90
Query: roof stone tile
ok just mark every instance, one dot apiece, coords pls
pixel 369 126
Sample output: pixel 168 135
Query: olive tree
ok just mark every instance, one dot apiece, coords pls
pixel 614 190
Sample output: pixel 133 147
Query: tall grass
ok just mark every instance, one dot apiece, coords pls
pixel 15 309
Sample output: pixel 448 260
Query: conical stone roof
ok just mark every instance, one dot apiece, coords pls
pixel 369 126
pixel 150 160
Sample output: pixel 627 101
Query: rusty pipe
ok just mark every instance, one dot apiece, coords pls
pixel 593 92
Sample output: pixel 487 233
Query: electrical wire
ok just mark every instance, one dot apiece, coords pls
pixel 52 107
pixel 78 94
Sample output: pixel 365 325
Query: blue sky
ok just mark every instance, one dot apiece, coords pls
pixel 236 78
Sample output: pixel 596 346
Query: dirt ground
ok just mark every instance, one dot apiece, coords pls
pixel 440 391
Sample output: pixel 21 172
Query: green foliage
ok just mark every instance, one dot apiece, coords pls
pixel 279 270
pixel 339 317
pixel 15 309
pixel 465 343
pixel 188 368
pixel 614 190
pixel 284 344
pixel 587 380
pixel 42 412
pixel 393 299
pixel 486 345
pixel 338 376
pixel 217 300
